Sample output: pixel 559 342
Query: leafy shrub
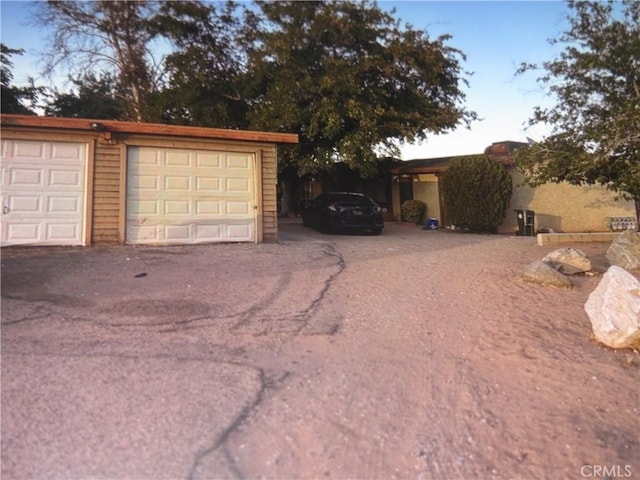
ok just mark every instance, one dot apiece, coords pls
pixel 476 192
pixel 413 211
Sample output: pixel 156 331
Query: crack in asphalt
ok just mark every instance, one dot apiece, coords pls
pixel 232 427
pixel 301 320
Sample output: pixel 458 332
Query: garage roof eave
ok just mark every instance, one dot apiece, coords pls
pixel 113 126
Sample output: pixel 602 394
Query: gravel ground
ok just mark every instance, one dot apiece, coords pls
pixel 413 354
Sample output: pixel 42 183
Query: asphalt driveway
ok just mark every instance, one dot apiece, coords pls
pixel 322 356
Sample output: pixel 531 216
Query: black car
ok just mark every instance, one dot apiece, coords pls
pixel 342 211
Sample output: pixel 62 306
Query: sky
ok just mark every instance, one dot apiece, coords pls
pixel 495 36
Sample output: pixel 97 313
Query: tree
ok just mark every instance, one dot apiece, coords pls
pixel 476 192
pixel 13 97
pixel 205 70
pixel 349 81
pixel 103 35
pixel 596 120
pixel 95 97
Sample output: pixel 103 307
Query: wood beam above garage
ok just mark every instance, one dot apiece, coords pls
pixel 109 127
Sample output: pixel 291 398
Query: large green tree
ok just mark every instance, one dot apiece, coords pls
pixel 350 80
pixel 596 117
pixel 205 71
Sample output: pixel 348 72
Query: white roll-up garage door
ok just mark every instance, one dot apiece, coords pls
pixel 180 196
pixel 43 192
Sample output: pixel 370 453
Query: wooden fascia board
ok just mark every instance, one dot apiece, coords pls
pixel 111 126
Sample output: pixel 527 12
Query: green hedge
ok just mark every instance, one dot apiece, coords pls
pixel 476 192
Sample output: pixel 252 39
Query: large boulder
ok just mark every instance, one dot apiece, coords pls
pixel 569 261
pixel 625 250
pixel 544 274
pixel 614 309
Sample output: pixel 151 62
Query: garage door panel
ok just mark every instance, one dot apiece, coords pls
pixel 238 208
pixel 65 178
pixel 20 176
pixel 63 232
pixel 144 207
pixel 206 207
pixel 43 193
pixel 211 184
pixel 208 233
pixel 144 157
pixel 198 196
pixel 20 233
pixel 177 183
pixel 63 205
pixel 27 150
pixel 208 160
pixel 239 233
pixel 177 207
pixel 143 182
pixel 240 185
pixel 178 233
pixel 63 152
pixel 234 161
pixel 25 204
pixel 177 158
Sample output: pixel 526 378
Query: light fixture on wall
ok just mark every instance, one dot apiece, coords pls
pixel 98 127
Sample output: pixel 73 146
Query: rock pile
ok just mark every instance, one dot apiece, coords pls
pixel 614 306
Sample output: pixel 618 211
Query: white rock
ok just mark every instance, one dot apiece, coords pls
pixel 614 309
pixel 625 250
pixel 569 261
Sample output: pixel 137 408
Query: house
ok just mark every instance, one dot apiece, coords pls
pixel 557 207
pixel 72 181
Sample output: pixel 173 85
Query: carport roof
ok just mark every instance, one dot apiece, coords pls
pixel 113 126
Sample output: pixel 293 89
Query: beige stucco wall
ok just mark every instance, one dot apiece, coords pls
pixel 565 208
pixel 426 189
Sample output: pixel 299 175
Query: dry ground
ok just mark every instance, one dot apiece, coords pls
pixel 414 354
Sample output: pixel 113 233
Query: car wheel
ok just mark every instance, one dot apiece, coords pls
pixel 376 231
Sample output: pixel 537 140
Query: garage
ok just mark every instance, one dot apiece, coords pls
pixel 180 196
pixel 43 192
pixel 75 181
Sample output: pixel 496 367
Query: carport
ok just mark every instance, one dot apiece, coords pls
pixel 71 181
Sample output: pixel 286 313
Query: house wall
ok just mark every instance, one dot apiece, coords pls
pixel 565 208
pixel 425 188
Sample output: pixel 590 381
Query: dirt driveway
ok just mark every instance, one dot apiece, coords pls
pixel 413 354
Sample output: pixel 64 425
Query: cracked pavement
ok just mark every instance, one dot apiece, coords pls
pixel 319 357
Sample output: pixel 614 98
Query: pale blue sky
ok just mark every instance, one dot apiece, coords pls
pixel 495 36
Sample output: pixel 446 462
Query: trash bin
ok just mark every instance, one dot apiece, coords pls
pixel 431 224
pixel 529 220
pixel 526 221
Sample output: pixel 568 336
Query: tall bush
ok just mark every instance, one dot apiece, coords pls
pixel 476 192
pixel 413 211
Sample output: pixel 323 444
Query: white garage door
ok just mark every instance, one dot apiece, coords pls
pixel 43 192
pixel 177 196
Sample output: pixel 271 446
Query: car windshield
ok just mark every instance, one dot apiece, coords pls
pixel 347 198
